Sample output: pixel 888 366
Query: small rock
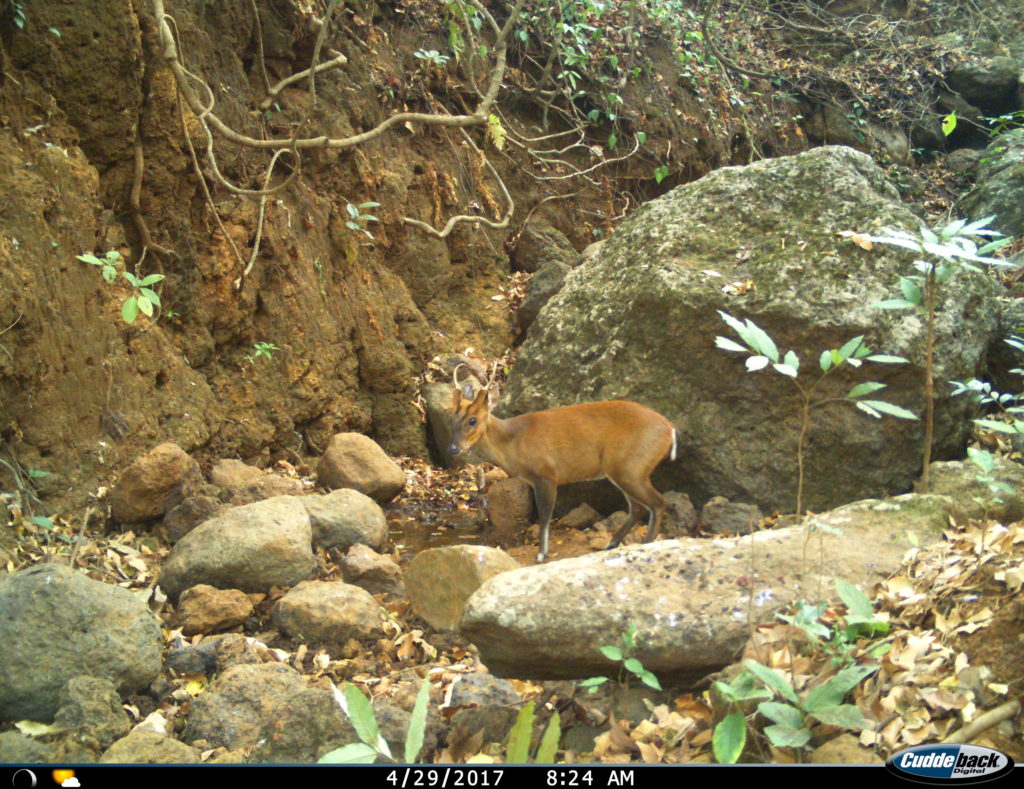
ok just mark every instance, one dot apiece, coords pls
pixel 509 506
pixel 721 516
pixel 367 569
pixel 353 460
pixel 79 626
pixel 184 517
pixel 16 748
pixel 229 473
pixel 440 580
pixel 146 747
pixel 89 705
pixel 152 483
pixel 844 749
pixel 544 284
pixel 252 548
pixel 346 517
pixel 482 690
pixel 582 517
pixel 680 517
pixel 541 242
pixel 327 611
pixel 236 706
pixel 206 609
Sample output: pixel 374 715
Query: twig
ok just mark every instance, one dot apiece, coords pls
pixel 451 223
pixel 985 721
pixel 477 118
pixel 259 46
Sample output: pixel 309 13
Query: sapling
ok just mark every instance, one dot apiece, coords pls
pixel 945 248
pixel 763 354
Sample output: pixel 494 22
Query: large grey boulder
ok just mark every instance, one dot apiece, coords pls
pixel 693 602
pixel 639 321
pixel 56 624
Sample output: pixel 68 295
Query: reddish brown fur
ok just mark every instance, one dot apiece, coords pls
pixel 617 439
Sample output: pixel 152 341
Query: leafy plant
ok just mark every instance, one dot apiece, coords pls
pixel 762 352
pixel 986 462
pixel 839 641
pixel 630 665
pixel 358 220
pixel 433 56
pixel 262 349
pixel 944 249
pixel 372 744
pixel 142 298
pixel 661 173
pixel 790 715
pixel 518 749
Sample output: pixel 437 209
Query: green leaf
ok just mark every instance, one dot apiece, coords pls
pixel 851 346
pixel 846 716
pixel 151 295
pixel 38 473
pixel 145 305
pixel 742 688
pixel 132 279
pixel 369 204
pixel 784 714
pixel 649 679
pixel 949 124
pixel 755 363
pixel 729 738
pixel 825 361
pixel 867 387
pixel 893 304
pixel 1001 427
pixel 593 682
pixel 518 751
pixel 633 665
pixel 612 141
pixel 641 137
pixel 773 679
pixel 983 459
pixel 353 753
pixel 611 652
pixel 833 691
pixel 763 342
pixel 352 210
pixel 38 520
pixel 911 291
pixel 661 173
pixel 729 345
pixel 786 370
pixel 130 309
pixel 791 360
pixel 152 279
pixel 856 601
pixel 881 358
pixel 417 723
pixel 90 259
pixel 360 713
pixel 787 737
pixel 888 408
pixel 109 273
pixel 549 741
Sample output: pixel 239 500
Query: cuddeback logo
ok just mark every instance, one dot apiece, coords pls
pixel 938 764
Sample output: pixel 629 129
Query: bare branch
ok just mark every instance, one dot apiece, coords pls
pixel 455 220
pixel 477 118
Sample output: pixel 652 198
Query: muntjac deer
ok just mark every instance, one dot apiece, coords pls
pixel 616 440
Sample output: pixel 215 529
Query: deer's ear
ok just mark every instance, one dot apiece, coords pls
pixel 480 402
pixel 456 399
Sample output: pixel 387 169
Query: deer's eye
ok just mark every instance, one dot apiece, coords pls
pixel 472 421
